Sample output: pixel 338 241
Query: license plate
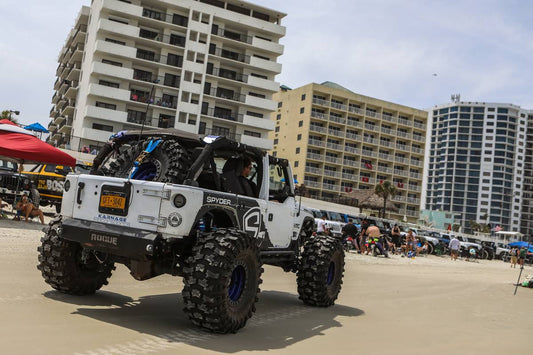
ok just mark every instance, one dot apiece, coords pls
pixel 113 201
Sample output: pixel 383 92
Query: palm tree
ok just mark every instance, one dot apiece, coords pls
pixel 385 190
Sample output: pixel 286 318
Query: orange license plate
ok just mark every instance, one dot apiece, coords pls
pixel 113 201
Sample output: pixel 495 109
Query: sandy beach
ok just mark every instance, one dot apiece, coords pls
pixel 429 305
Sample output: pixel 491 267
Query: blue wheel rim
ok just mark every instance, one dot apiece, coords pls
pixel 236 286
pixel 146 171
pixel 331 273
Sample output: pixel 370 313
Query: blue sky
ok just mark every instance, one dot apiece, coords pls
pixel 387 49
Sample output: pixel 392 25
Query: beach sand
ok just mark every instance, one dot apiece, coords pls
pixel 429 305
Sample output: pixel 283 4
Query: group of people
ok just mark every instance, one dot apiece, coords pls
pixel 370 236
pixel 518 256
pixel 24 208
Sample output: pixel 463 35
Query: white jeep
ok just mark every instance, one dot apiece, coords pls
pixel 169 202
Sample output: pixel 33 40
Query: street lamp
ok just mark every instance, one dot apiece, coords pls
pixel 11 112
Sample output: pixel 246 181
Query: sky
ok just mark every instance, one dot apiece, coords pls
pixel 411 52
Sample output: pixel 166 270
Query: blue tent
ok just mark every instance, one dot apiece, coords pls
pixel 520 244
pixel 37 127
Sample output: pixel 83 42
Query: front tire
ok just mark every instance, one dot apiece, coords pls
pixel 63 267
pixel 321 271
pixel 222 281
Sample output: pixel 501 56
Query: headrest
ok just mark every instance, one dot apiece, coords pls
pixel 233 164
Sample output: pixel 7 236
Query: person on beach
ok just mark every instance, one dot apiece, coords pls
pixel 363 235
pixel 454 246
pixel 28 209
pixel 522 256
pixel 514 257
pixel 396 238
pixel 350 230
pixel 321 226
pixel 410 242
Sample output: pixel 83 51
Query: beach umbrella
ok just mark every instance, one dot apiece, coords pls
pixel 36 127
pixel 519 244
pixel 21 146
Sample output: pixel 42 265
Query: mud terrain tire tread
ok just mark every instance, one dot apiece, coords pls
pixel 172 158
pixel 208 279
pixel 58 262
pixel 320 254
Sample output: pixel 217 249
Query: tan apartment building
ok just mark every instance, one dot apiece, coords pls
pixel 340 141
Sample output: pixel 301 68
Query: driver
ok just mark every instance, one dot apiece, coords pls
pixel 250 189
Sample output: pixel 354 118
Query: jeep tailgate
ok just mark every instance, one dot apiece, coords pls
pixel 114 201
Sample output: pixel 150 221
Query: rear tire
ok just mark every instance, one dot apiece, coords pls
pixel 63 268
pixel 321 271
pixel 222 281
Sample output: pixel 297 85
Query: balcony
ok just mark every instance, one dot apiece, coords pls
pixel 372 114
pixel 388 118
pixel 223 114
pixel 333 160
pixel 357 110
pixel 371 127
pixel 320 102
pixel 337 119
pixel 350 163
pixel 311 183
pixel 228 74
pixel 352 136
pixel 400 172
pixel 319 157
pixel 317 142
pixel 352 150
pixel 331 173
pixel 330 187
pixel 319 115
pixel 235 36
pixel 227 54
pixel 339 106
pixel 169 80
pixel 336 133
pixel 313 170
pixel 258 122
pixel 224 94
pixel 355 123
pixel 404 122
pixel 370 153
pixel 173 39
pixel 316 128
pixel 335 146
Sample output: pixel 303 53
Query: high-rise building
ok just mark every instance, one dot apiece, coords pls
pixel 67 82
pixel 340 141
pixel 476 163
pixel 203 66
pixel 526 225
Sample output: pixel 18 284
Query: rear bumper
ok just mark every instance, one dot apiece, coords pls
pixel 116 240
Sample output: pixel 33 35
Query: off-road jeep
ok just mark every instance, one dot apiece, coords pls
pixel 13 185
pixel 168 202
pixel 49 179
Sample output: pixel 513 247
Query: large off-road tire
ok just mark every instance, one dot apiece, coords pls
pixel 168 162
pixel 222 281
pixel 431 249
pixel 320 272
pixel 63 268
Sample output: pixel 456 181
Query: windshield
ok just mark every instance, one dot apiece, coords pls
pixel 7 165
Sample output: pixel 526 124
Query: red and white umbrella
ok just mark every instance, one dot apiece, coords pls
pixel 22 146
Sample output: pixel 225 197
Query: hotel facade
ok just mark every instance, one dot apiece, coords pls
pixel 202 66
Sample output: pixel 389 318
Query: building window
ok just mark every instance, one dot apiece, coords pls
pixel 103 127
pixel 299 137
pixel 252 134
pixel 275 141
pixel 296 163
pixel 300 123
pixel 301 110
pixel 278 117
pixel 106 105
pixel 280 104
pixel 303 97
pixel 110 62
pixel 298 150
pixel 277 129
pixel 108 83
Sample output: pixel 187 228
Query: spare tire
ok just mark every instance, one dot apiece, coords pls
pixel 168 162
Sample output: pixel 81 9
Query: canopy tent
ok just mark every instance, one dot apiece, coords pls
pixel 37 127
pixel 522 245
pixel 20 145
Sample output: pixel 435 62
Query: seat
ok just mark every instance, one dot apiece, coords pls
pixel 230 176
